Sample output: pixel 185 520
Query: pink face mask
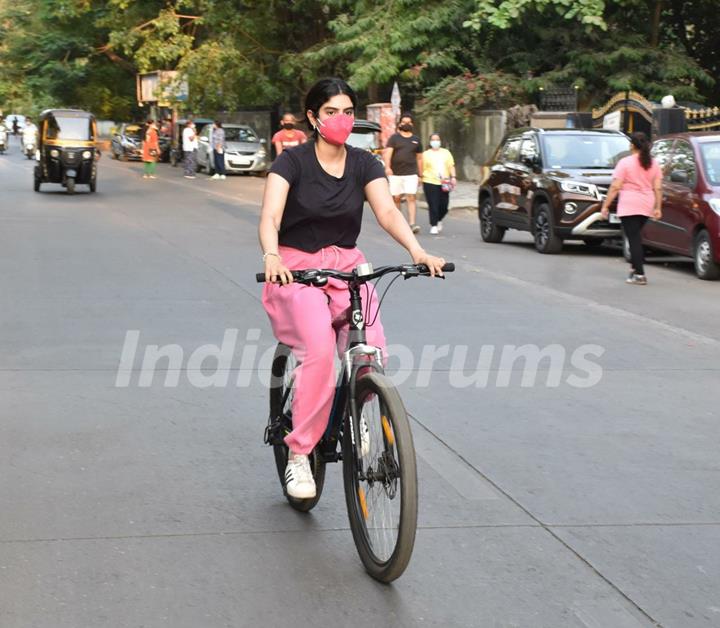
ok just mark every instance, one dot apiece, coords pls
pixel 336 129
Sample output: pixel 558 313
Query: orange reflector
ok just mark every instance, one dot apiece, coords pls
pixel 388 430
pixel 363 502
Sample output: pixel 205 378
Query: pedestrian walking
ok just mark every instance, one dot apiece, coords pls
pixel 150 150
pixel 190 145
pixel 403 164
pixel 637 180
pixel 438 178
pixel 289 135
pixel 217 138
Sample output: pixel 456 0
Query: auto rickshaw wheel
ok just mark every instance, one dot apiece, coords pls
pixel 93 184
pixel 70 185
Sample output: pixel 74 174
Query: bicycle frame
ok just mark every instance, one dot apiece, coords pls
pixel 357 355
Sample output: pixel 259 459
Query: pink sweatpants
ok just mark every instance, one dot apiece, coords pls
pixel 302 318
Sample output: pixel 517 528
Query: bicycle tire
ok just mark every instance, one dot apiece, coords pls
pixel 282 359
pixel 385 564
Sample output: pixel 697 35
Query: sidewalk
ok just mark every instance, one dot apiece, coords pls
pixel 465 196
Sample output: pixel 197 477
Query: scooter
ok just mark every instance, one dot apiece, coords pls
pixel 3 139
pixel 29 149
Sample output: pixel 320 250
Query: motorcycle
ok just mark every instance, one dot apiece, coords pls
pixel 3 139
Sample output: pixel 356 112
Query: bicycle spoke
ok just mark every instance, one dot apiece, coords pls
pixel 380 486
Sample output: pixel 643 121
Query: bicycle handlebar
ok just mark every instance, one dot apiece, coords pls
pixel 312 275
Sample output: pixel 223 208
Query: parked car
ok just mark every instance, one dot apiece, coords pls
pixel 126 143
pixel 245 152
pixel 366 135
pixel 690 225
pixel 551 182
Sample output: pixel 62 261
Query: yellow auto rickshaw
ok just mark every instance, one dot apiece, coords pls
pixel 66 152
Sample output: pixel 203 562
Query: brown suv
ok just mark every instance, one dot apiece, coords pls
pixel 552 184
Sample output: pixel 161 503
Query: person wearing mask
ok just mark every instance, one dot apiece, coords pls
pixel 150 150
pixel 29 133
pixel 637 180
pixel 217 139
pixel 289 135
pixel 311 218
pixel 190 144
pixel 403 164
pixel 438 180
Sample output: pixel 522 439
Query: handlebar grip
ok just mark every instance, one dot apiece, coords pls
pixel 449 267
pixel 260 277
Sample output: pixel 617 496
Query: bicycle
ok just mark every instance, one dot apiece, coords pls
pixel 379 468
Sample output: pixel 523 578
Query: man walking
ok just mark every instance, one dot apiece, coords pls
pixel 190 144
pixel 403 163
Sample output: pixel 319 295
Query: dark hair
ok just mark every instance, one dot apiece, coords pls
pixel 323 91
pixel 642 143
pixel 407 114
pixel 218 124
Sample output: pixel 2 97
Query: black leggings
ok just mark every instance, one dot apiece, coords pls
pixel 632 226
pixel 437 201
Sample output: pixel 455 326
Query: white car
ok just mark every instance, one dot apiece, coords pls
pixel 244 152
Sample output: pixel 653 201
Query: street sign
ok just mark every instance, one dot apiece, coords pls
pixel 161 88
pixel 613 121
pixel 395 100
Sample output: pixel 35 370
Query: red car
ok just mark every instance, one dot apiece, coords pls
pixel 690 225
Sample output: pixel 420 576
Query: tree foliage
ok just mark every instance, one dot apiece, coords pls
pixel 449 56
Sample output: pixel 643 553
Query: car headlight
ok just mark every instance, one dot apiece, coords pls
pixel 86 154
pixel 54 153
pixel 715 205
pixel 578 187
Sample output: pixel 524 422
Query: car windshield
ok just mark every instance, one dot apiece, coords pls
pixel 239 134
pixel 133 133
pixel 584 151
pixel 60 128
pixel 711 160
pixel 366 141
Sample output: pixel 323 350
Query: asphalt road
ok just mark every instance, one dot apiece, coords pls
pixel 584 495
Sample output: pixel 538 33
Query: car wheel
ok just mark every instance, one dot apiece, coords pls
pixel 546 240
pixel 489 231
pixel 705 265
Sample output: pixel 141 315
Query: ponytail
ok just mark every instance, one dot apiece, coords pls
pixel 642 143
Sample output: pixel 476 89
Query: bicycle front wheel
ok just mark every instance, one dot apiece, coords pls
pixel 380 477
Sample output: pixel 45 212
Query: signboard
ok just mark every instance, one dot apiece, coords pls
pixel 613 121
pixel 395 101
pixel 161 88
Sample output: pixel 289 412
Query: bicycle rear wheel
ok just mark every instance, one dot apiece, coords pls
pixel 281 395
pixel 381 483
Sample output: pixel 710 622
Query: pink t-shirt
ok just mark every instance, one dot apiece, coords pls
pixel 637 194
pixel 293 138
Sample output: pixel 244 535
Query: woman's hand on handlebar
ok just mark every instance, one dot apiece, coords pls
pixel 433 263
pixel 276 271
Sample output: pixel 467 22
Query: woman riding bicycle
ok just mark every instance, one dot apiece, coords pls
pixel 311 218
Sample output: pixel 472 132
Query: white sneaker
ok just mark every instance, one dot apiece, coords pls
pixel 434 231
pixel 222 176
pixel 364 437
pixel 439 226
pixel 215 176
pixel 299 482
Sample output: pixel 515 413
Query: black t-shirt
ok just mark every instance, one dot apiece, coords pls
pixel 323 210
pixel 404 161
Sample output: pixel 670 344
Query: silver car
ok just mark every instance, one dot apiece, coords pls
pixel 244 152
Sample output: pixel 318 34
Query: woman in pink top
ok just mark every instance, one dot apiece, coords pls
pixel 638 180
